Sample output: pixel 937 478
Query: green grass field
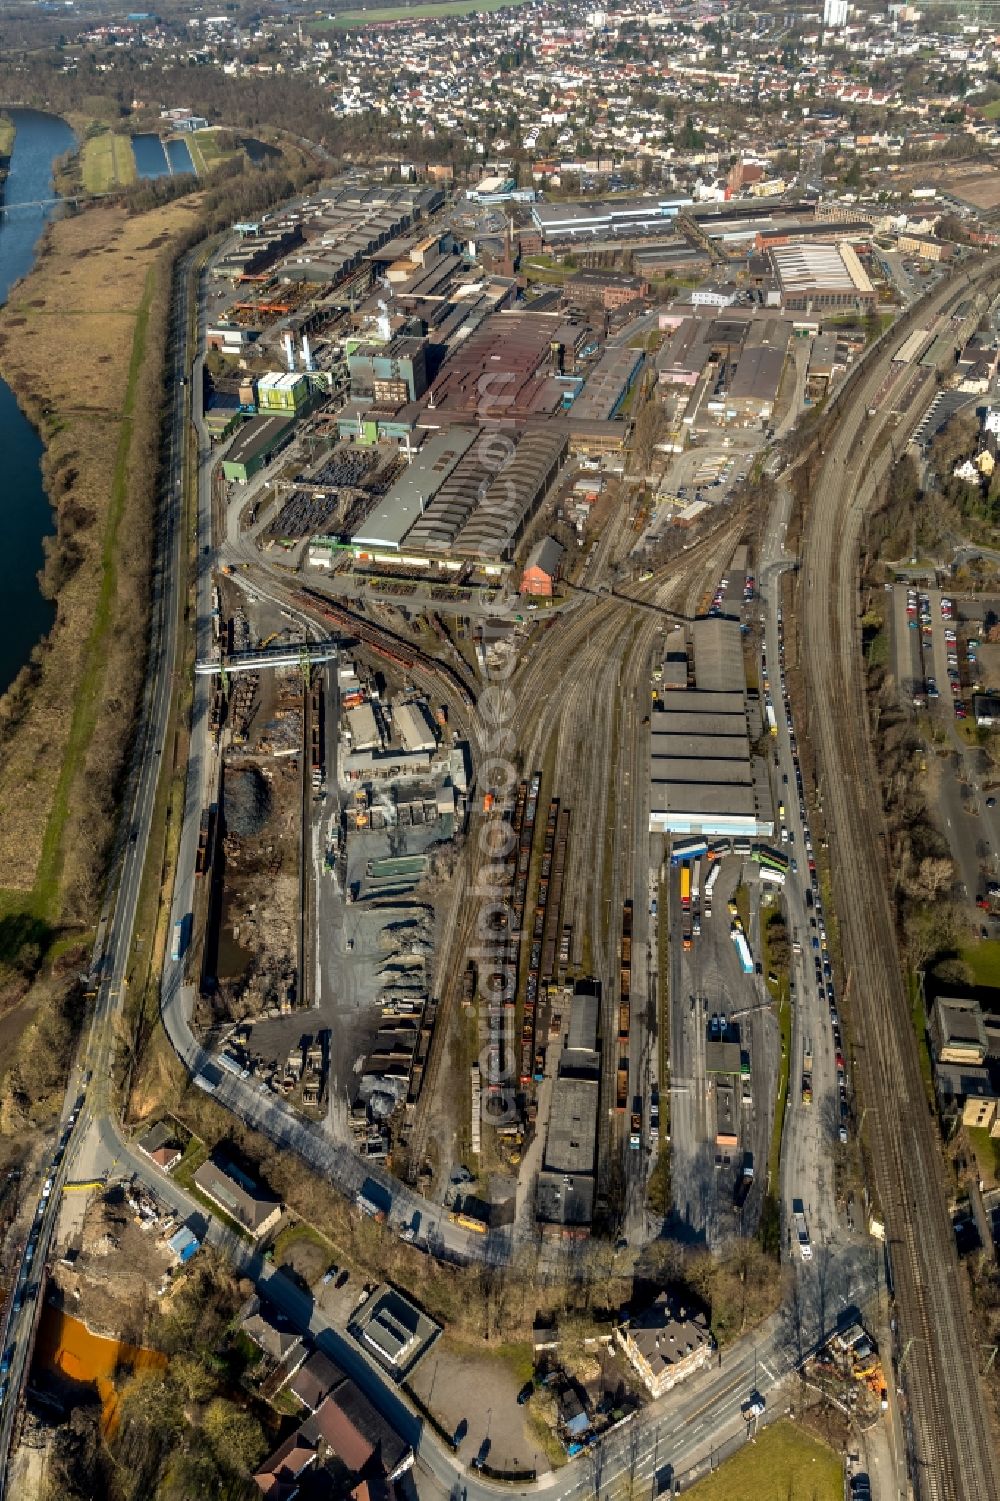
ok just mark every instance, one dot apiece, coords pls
pixel 991 111
pixel 421 12
pixel 107 162
pixel 784 1461
pixel 984 961
pixel 987 1150
pixel 206 151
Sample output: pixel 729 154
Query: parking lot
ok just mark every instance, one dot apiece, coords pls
pixel 713 1001
pixel 941 661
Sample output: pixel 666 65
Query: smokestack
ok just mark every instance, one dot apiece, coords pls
pixel 307 358
pixel 289 352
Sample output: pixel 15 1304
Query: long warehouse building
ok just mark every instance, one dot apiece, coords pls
pixel 451 504
pixel 703 778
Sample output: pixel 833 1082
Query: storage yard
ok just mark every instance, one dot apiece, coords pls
pixel 251 895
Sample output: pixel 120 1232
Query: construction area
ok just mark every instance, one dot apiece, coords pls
pixel 400 797
pixel 849 1371
pixel 251 966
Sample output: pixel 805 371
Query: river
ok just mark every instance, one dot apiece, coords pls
pixel 27 514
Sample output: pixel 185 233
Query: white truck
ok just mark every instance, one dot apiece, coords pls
pixel 801 1230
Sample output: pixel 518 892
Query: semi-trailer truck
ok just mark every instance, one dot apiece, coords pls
pixel 742 950
pixel 180 939
pixel 685 888
pixel 801 1230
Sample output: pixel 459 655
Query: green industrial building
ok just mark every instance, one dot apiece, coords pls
pixel 255 444
pixel 283 393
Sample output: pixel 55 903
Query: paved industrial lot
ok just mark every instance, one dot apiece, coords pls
pixel 707 981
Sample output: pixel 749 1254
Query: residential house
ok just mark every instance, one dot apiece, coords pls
pixel 315 1379
pixel 160 1144
pixel 344 1433
pixel 958 1032
pixel 237 1195
pixel 666 1344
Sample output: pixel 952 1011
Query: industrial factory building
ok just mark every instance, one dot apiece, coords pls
pixel 463 497
pixel 405 502
pixel 601 219
pixel 813 277
pixel 392 373
pixel 509 368
pixel 564 1203
pixel 608 386
pixel 254 445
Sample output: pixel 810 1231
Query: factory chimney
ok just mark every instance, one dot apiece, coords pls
pixel 289 352
pixel 307 359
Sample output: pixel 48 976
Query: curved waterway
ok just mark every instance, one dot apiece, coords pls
pixel 27 516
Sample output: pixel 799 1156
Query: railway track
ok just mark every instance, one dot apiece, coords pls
pixel 587 664
pixel 952 1456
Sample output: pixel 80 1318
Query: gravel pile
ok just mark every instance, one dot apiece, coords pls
pixel 246 801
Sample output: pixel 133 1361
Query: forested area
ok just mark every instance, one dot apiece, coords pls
pixel 251 102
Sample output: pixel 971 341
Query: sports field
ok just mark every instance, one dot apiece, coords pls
pixel 107 162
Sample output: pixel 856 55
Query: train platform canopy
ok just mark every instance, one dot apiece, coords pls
pixel 666 746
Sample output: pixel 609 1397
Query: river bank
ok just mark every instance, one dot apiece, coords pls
pixel 37 139
pixel 7 135
pixel 81 343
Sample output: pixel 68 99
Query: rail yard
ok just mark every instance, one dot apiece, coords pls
pixel 531 888
pixel 949 1431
